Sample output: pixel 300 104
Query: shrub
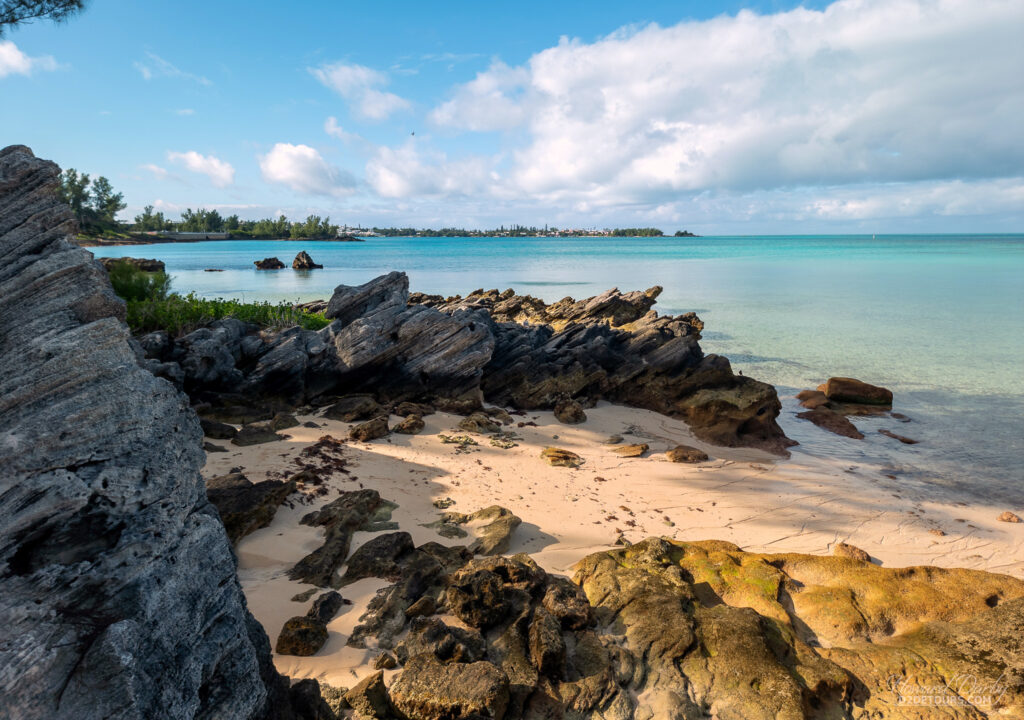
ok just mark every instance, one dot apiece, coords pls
pixel 179 314
pixel 133 284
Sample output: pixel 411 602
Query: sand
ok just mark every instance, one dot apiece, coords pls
pixel 804 504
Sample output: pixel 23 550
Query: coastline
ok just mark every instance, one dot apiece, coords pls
pixel 758 501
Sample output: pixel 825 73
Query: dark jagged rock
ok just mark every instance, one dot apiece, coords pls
pixel 405 409
pixel 369 698
pixel 379 556
pixel 117 582
pixel 569 412
pixel 271 263
pixel 444 642
pixel 255 435
pixel 410 425
pixel 370 430
pixel 217 430
pixel 326 606
pixel 143 264
pixel 302 635
pixel 496 527
pixel 352 408
pixel 244 506
pixel 479 422
pixel 303 261
pixel 340 518
pixel 832 421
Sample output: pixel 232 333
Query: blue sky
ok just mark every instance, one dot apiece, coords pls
pixel 855 116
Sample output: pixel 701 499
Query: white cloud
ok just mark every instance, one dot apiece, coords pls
pixel 304 170
pixel 360 85
pixel 185 112
pixel 905 91
pixel 14 62
pixel 158 172
pixel 156 66
pixel 220 172
pixel 406 171
pixel 332 128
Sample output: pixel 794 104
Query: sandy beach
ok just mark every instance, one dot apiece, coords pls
pixel 761 503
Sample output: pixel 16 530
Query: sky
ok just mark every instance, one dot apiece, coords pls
pixel 720 118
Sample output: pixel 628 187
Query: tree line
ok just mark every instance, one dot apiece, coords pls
pixel 211 221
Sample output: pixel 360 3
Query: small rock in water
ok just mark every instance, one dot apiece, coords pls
pixel 271 263
pixel 561 458
pixel 686 454
pixel 303 261
pixel 899 416
pixel 901 438
pixel 850 390
pixel 850 551
pixel 631 450
pixel 1009 517
pixel 811 399
pixel 832 421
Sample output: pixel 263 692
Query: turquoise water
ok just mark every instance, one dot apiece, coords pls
pixel 939 319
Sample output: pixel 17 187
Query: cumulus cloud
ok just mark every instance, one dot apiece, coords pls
pixel 406 171
pixel 332 128
pixel 304 170
pixel 861 92
pixel 220 172
pixel 155 66
pixel 361 85
pixel 14 62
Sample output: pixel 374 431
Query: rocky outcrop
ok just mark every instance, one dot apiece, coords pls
pixel 143 264
pixel 271 263
pixel 303 261
pixel 118 590
pixel 514 351
pixel 245 506
pixel 850 390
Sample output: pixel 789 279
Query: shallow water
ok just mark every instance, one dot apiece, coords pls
pixel 938 319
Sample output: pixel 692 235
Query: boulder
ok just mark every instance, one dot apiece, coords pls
pixel 405 409
pixel 369 698
pixel 686 454
pixel 244 506
pixel 370 430
pixel 445 642
pixel 479 422
pixel 256 434
pixel 340 518
pixel 841 549
pixel 217 430
pixel 424 607
pixel 849 390
pixel 326 606
pixel 352 408
pixel 385 661
pixel 379 556
pixel 566 602
pixel 561 458
pixel 303 261
pixel 271 263
pixel 430 690
pixel 302 635
pixel 1009 517
pixel 569 412
pixel 410 425
pixel 547 647
pixel 496 525
pixel 119 593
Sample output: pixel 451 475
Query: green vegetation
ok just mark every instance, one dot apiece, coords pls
pixel 151 306
pixel 637 232
pixel 15 12
pixel 94 203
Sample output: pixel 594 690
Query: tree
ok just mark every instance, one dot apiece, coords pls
pixel 231 223
pixel 105 202
pixel 150 220
pixel 201 220
pixel 74 190
pixel 15 12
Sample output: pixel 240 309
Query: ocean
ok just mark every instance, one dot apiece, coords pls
pixel 939 319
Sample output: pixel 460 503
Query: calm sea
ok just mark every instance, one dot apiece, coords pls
pixel 939 319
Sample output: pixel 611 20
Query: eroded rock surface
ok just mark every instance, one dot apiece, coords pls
pixel 118 590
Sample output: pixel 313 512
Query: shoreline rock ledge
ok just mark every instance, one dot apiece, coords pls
pixel 118 589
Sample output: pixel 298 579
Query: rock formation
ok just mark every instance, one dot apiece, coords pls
pixel 457 352
pixel 271 263
pixel 303 261
pixel 144 264
pixel 118 590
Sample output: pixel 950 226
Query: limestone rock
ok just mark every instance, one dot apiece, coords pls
pixel 380 556
pixel 630 451
pixel 326 606
pixel 271 263
pixel 352 408
pixel 410 425
pixel 303 261
pixel 424 607
pixel 842 549
pixel 244 506
pixel 256 434
pixel 217 430
pixel 902 438
pixel 849 390
pixel 686 454
pixel 143 264
pixel 405 409
pixel 385 661
pixel 479 422
pixel 302 635
pixel 370 430
pixel 1009 517
pixel 547 647
pixel 445 642
pixel 430 690
pixel 369 698
pixel 561 458
pixel 569 412
pixel 496 527
pixel 119 594
pixel 340 518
